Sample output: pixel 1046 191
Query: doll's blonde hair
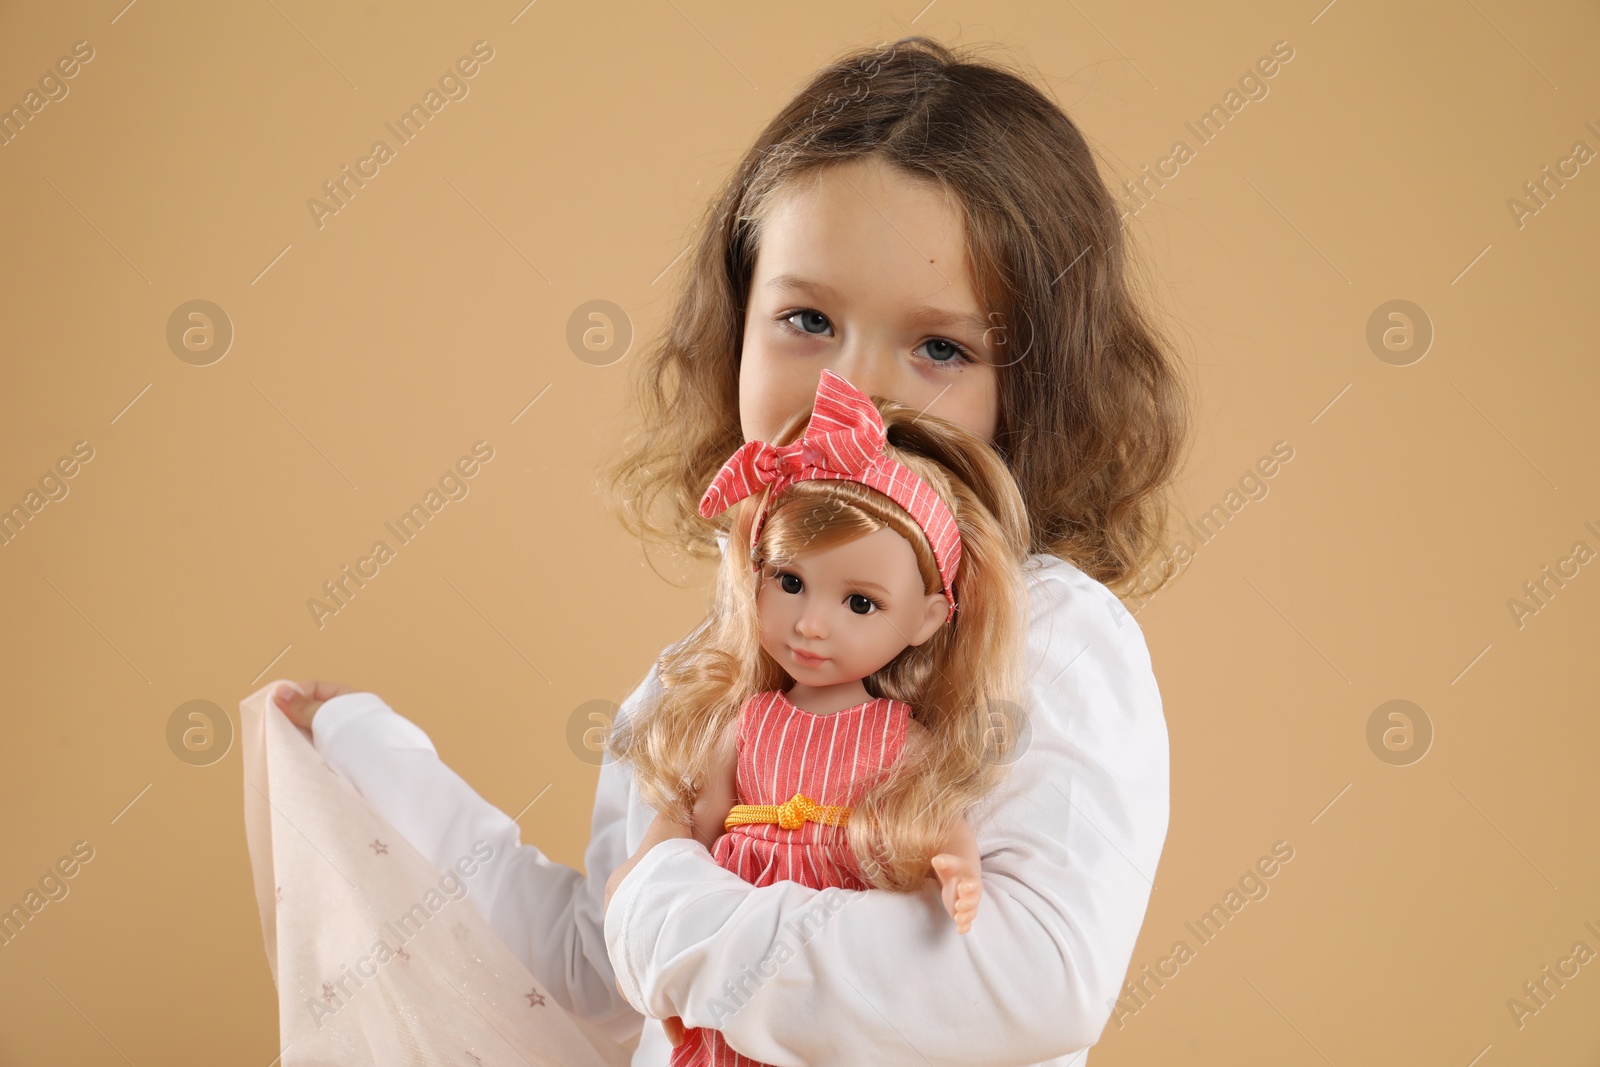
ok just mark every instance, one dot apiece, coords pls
pixel 962 683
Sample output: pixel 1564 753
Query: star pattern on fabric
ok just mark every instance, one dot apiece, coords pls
pixel 327 992
pixel 403 954
pixel 378 847
pixel 535 999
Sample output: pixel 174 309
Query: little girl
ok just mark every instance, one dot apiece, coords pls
pixel 934 228
pixel 864 562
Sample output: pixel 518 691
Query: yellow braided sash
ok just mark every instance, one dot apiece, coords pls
pixel 790 815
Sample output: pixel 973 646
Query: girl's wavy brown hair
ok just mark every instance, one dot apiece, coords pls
pixel 1093 416
pixel 962 683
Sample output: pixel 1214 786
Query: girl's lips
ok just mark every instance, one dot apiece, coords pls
pixel 806 657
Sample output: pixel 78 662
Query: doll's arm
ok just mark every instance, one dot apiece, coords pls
pixel 1069 848
pixel 955 862
pixel 716 798
pixel 960 874
pixel 721 789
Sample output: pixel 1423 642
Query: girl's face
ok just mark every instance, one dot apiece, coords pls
pixel 854 607
pixel 863 270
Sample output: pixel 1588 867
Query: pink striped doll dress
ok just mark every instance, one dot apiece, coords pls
pixel 784 751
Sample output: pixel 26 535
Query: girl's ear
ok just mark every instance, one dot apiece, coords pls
pixel 934 609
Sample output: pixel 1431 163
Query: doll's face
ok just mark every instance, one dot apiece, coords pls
pixel 864 270
pixel 855 605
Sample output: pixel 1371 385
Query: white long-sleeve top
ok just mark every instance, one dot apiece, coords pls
pixel 793 976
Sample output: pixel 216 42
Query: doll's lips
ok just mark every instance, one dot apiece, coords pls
pixel 810 659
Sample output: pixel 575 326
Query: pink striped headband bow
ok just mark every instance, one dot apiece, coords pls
pixel 843 441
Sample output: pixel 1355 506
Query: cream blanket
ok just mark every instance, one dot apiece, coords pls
pixel 379 957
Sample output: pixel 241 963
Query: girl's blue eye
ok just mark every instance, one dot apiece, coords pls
pixel 949 353
pixel 808 318
pixel 861 604
pixel 784 581
pixel 954 353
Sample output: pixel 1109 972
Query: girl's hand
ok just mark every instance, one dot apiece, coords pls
pixel 961 887
pixel 300 700
pixel 661 829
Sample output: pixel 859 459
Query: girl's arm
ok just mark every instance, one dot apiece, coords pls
pixel 548 914
pixel 711 806
pixel 1069 848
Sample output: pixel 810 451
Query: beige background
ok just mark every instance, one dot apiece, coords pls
pixel 431 311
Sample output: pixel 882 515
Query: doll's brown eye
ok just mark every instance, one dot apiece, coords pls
pixel 784 580
pixel 861 604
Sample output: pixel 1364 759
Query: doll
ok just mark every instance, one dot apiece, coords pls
pixel 845 701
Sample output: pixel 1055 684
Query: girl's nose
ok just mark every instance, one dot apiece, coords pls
pixel 866 368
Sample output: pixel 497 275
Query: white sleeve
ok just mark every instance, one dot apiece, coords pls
pixel 547 913
pixel 1069 849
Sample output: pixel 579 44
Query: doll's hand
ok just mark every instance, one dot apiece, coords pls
pixel 960 887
